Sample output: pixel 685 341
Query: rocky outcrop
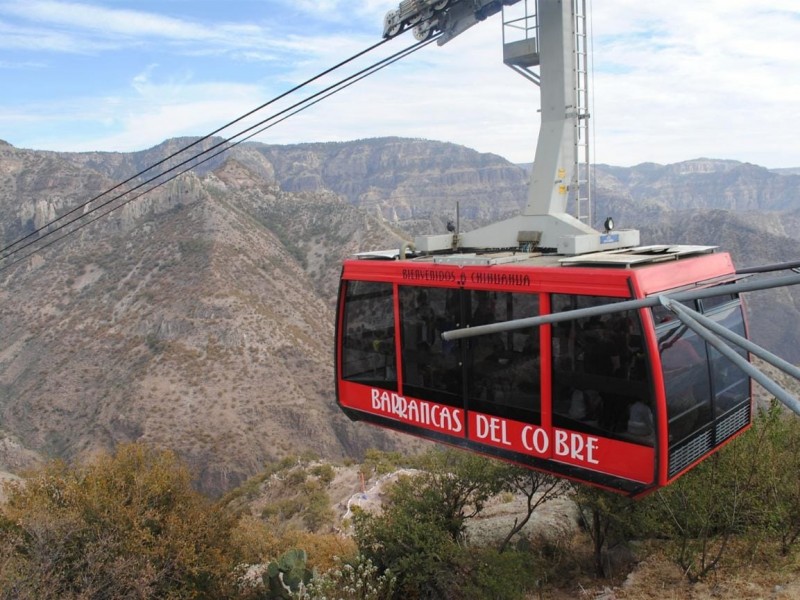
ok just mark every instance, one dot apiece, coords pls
pixel 704 184
pixel 415 184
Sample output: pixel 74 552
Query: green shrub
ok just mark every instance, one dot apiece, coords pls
pixel 485 573
pixel 325 473
pixel 380 463
pixel 317 510
pixel 286 576
pixel 419 535
pixel 748 488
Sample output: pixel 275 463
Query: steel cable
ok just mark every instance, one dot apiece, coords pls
pixel 7 250
pixel 220 147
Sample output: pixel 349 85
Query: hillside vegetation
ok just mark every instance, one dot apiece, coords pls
pixel 131 525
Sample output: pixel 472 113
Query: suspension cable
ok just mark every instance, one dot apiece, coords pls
pixel 75 209
pixel 220 147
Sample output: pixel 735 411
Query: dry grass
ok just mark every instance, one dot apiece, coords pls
pixel 746 574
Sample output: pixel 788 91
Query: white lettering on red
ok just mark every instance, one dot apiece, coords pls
pixel 535 439
pixel 591 446
pixel 492 428
pixel 576 446
pixel 417 411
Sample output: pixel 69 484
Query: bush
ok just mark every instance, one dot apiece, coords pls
pixel 128 525
pixel 357 579
pixel 325 473
pixel 777 509
pixel 748 488
pixel 481 573
pixel 419 536
pixel 380 463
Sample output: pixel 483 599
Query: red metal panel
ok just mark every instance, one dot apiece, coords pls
pixel 623 459
pixel 675 274
pixel 340 330
pixel 663 277
pixel 509 434
pixel 398 342
pixel 553 279
pixel 583 281
pixel 659 395
pixel 403 272
pixel 546 364
pixel 595 281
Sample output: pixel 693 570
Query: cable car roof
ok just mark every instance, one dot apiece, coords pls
pixel 627 257
pixel 640 255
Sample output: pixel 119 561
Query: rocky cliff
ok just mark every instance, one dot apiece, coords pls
pixel 413 183
pixel 199 317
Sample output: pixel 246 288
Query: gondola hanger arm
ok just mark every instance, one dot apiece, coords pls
pixel 451 17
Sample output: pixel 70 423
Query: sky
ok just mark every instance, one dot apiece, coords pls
pixel 671 81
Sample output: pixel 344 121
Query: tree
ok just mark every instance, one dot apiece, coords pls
pixel 407 539
pixel 537 488
pixel 720 497
pixel 456 487
pixel 128 525
pixel 605 516
pixel 779 486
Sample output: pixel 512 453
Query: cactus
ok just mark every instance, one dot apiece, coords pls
pixel 285 576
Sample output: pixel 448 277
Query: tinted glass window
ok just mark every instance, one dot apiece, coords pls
pixel 731 385
pixel 368 344
pixel 431 366
pixel 684 363
pixel 713 302
pixel 503 368
pixel 664 317
pixel 701 384
pixel 600 383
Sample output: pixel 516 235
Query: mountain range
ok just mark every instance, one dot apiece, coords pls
pixel 200 316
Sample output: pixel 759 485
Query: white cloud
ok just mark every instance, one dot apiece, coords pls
pixel 342 11
pixel 79 27
pixel 23 64
pixel 104 20
pixel 31 39
pixel 671 81
pixel 716 79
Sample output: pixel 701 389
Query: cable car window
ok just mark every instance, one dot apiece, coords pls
pixel 664 317
pixel 731 385
pixel 503 368
pixel 600 383
pixel 368 348
pixel 431 366
pixel 684 362
pixel 713 302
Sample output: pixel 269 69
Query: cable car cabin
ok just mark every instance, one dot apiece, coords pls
pixel 626 401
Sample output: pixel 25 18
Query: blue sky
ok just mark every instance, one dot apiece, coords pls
pixel 672 80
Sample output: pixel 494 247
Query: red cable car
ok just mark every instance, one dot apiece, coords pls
pixel 625 400
pixel 539 339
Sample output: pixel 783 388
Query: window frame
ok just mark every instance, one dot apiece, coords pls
pixel 379 351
